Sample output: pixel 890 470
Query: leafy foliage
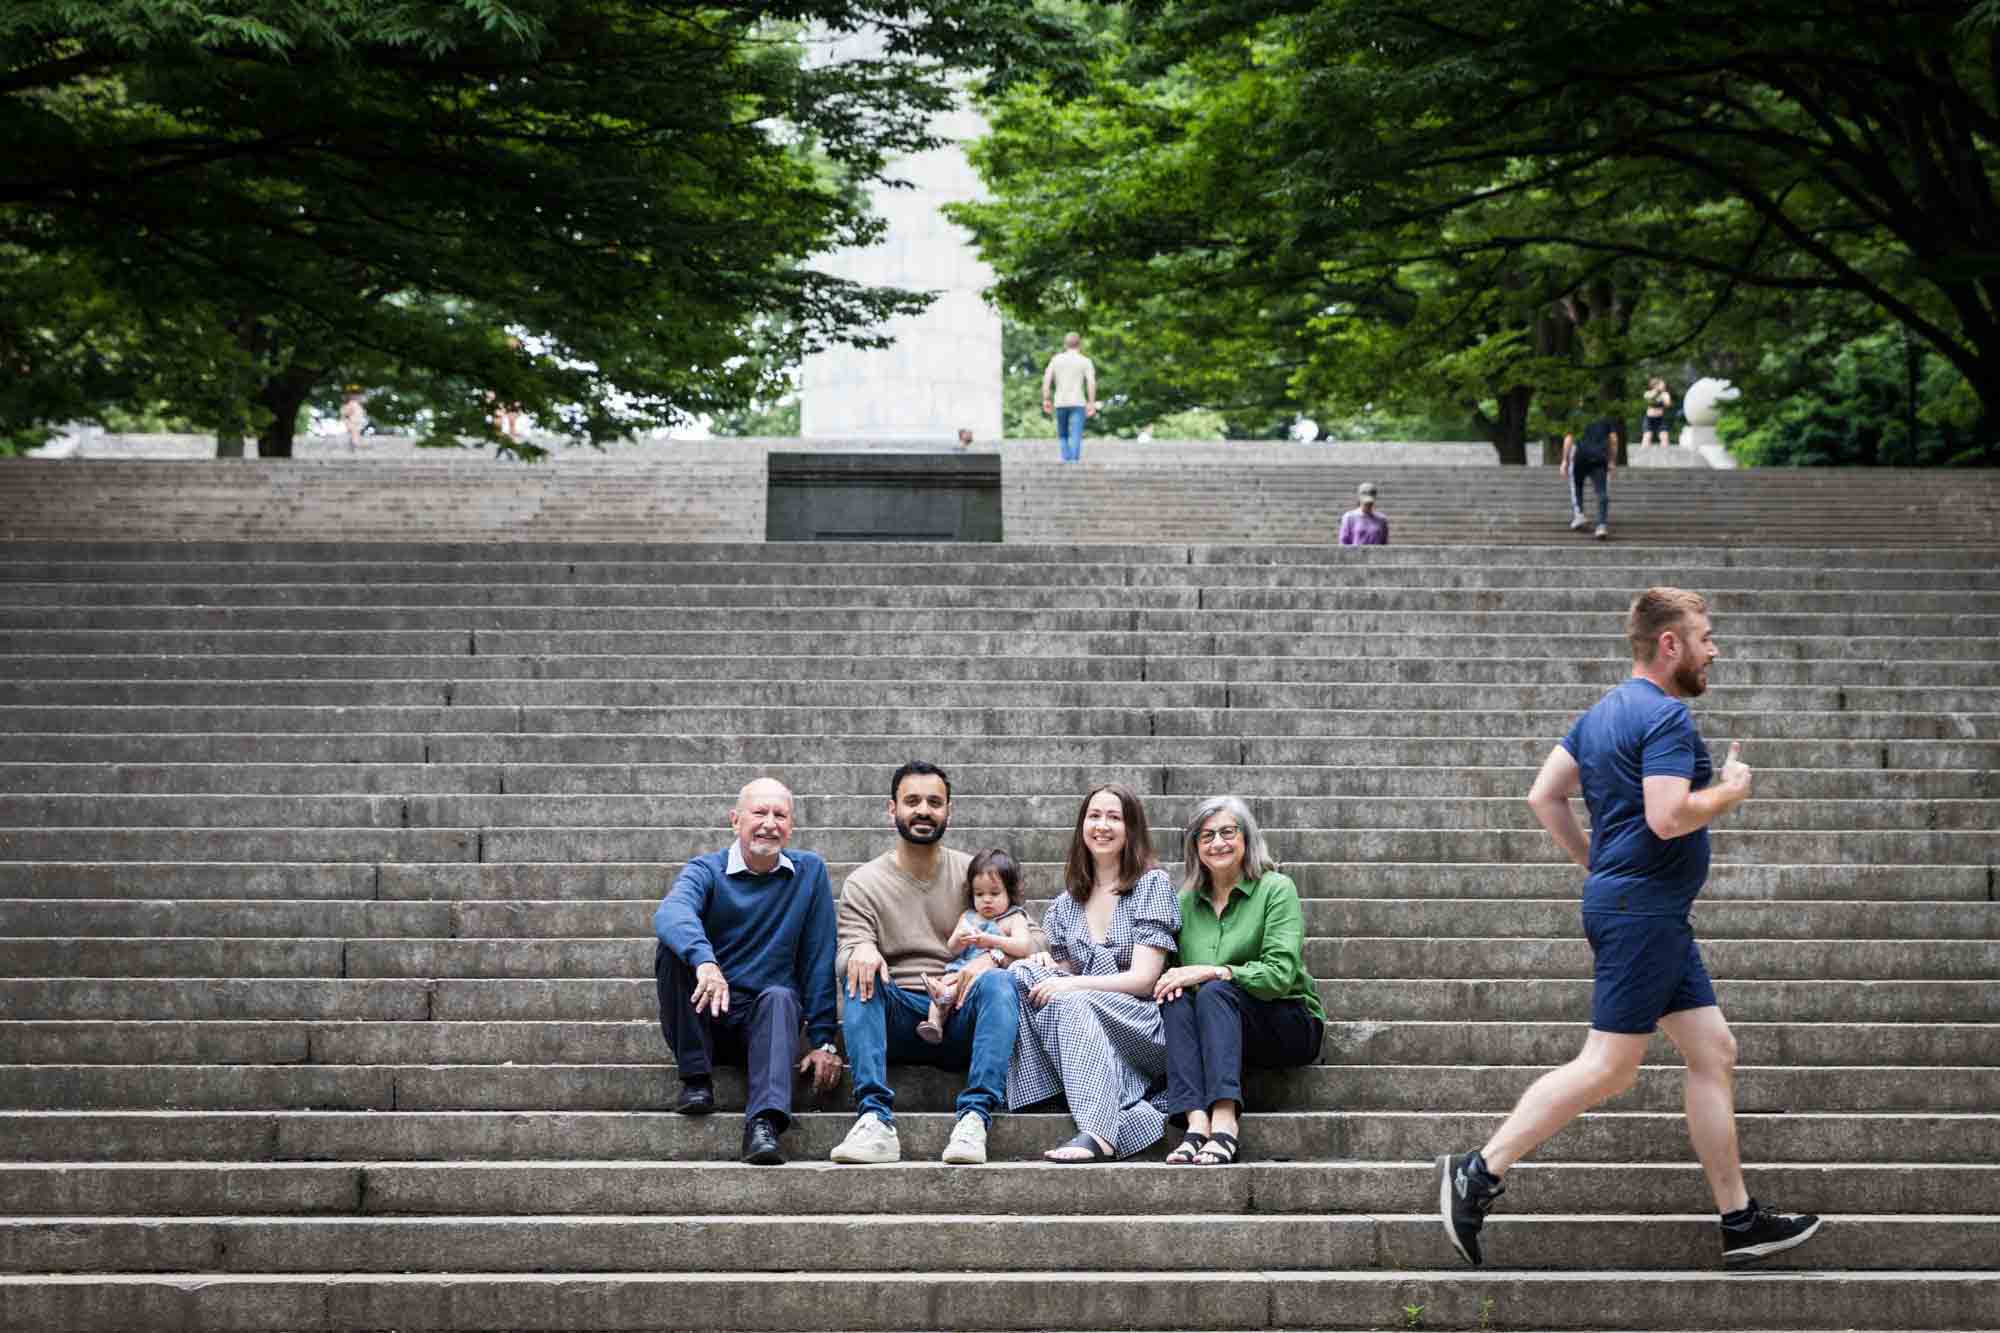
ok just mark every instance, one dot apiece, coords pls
pixel 1883 400
pixel 599 210
pixel 1503 207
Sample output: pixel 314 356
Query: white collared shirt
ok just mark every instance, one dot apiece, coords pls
pixel 738 866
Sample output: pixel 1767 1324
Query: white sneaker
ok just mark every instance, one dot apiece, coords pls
pixel 1578 523
pixel 870 1142
pixel 968 1142
pixel 1602 532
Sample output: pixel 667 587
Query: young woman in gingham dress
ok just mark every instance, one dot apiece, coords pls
pixel 1090 1028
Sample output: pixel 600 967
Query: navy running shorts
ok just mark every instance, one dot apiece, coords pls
pixel 1647 966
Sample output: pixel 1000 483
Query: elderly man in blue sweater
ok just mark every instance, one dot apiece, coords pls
pixel 745 957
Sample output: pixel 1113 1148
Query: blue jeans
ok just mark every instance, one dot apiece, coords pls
pixel 979 1038
pixel 1069 430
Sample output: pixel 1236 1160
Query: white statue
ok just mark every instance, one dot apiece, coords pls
pixel 1704 400
pixel 1703 405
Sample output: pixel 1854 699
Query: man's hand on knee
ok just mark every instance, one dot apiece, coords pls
pixel 711 990
pixel 864 967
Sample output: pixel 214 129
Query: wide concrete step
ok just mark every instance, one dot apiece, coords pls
pixel 1065 1298
pixel 848 846
pixel 322 552
pixel 1013 595
pixel 1603 650
pixel 1273 1135
pixel 1361 958
pixel 638 1041
pixel 1462 715
pixel 833 619
pixel 1338 917
pixel 1598 670
pixel 632 997
pixel 715 786
pixel 1524 694
pixel 1026 1242
pixel 787 754
pixel 1005 820
pixel 648 1087
pixel 1093 567
pixel 578 882
pixel 81 1189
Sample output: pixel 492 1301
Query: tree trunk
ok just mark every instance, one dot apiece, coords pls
pixel 282 396
pixel 1510 430
pixel 229 443
pixel 275 440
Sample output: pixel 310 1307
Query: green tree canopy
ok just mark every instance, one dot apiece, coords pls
pixel 1506 204
pixel 228 206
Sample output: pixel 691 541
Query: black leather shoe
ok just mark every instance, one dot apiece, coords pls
pixel 760 1143
pixel 697 1098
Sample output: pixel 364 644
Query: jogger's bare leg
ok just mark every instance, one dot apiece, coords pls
pixel 1708 1046
pixel 1604 1068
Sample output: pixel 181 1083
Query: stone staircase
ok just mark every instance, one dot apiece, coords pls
pixel 326 870
pixel 1122 493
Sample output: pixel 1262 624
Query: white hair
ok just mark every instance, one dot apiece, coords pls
pixel 1257 856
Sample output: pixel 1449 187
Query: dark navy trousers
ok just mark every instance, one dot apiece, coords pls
pixel 760 1033
pixel 1217 1028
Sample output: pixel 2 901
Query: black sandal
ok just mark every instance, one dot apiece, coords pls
pixel 1188 1150
pixel 1085 1141
pixel 1220 1150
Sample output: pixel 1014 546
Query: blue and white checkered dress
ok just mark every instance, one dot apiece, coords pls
pixel 1102 1050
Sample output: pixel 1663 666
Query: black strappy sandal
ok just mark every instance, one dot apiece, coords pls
pixel 1188 1151
pixel 1220 1150
pixel 1086 1142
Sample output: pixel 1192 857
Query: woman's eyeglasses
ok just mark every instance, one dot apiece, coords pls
pixel 1219 835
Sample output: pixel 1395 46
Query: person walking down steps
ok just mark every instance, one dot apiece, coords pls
pixel 1361 525
pixel 1652 791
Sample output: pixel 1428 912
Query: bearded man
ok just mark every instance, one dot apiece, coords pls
pixel 1652 792
pixel 896 915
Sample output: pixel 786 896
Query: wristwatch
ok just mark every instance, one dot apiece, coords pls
pixel 827 1047
pixel 998 955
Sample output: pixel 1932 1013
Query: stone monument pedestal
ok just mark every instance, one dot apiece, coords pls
pixel 883 497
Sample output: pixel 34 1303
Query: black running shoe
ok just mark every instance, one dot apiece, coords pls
pixel 1465 1193
pixel 1767 1233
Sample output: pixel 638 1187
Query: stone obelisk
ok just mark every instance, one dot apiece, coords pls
pixel 942 372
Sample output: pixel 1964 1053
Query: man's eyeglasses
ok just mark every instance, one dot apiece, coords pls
pixel 1229 833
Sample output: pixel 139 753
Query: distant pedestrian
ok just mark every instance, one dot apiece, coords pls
pixel 1069 391
pixel 1362 526
pixel 1653 430
pixel 965 437
pixel 1593 455
pixel 353 417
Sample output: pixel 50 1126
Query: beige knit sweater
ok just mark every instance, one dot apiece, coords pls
pixel 907 919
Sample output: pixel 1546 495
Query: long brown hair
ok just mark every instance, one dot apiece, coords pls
pixel 1080 871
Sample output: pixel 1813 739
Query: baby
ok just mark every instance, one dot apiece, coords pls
pixel 996 921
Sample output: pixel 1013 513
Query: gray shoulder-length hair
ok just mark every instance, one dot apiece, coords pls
pixel 1257 856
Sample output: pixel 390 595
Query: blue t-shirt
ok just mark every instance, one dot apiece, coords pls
pixel 1635 732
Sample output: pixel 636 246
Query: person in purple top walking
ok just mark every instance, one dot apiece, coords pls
pixel 1363 526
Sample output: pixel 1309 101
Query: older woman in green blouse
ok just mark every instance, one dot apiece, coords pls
pixel 1241 993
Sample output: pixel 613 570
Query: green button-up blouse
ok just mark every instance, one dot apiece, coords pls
pixel 1260 937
